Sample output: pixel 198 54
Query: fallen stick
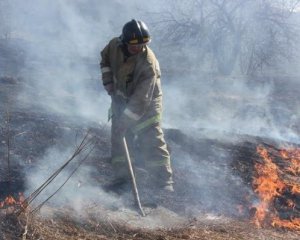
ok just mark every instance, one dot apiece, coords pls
pixel 134 187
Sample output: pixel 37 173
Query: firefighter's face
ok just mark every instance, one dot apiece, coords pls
pixel 135 48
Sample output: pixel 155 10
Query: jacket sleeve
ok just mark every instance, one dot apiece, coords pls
pixel 105 65
pixel 143 94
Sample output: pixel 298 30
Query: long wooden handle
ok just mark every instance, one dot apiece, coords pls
pixel 134 187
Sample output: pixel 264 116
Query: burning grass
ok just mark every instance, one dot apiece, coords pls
pixel 184 215
pixel 272 184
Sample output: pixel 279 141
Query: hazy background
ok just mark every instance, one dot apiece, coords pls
pixel 221 61
pixel 228 66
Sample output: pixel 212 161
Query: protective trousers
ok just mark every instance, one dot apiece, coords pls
pixel 148 149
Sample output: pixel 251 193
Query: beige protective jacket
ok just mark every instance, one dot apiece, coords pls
pixel 136 81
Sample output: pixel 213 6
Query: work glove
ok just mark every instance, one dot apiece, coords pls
pixel 124 124
pixel 109 88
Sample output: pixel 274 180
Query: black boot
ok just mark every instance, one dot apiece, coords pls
pixel 118 186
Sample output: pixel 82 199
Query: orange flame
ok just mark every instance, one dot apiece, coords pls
pixel 293 157
pixel 10 201
pixel 292 225
pixel 295 189
pixel 268 184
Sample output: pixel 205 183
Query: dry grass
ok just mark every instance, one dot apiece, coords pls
pixel 62 224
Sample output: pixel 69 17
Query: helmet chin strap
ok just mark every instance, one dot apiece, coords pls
pixel 125 50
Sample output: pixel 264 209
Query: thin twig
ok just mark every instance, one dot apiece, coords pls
pixel 84 145
pixel 42 204
pixel 54 175
pixel 8 148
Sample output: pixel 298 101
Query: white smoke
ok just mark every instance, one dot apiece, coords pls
pixel 62 76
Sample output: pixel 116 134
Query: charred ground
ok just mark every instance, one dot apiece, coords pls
pixel 213 182
pixel 213 172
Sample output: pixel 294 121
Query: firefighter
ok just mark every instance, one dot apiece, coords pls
pixel 131 76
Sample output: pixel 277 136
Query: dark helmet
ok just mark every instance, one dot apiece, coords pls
pixel 135 32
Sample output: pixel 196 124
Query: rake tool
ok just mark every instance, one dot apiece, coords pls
pixel 133 181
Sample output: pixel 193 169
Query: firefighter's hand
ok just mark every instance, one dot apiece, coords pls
pixel 121 128
pixel 109 88
pixel 123 125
